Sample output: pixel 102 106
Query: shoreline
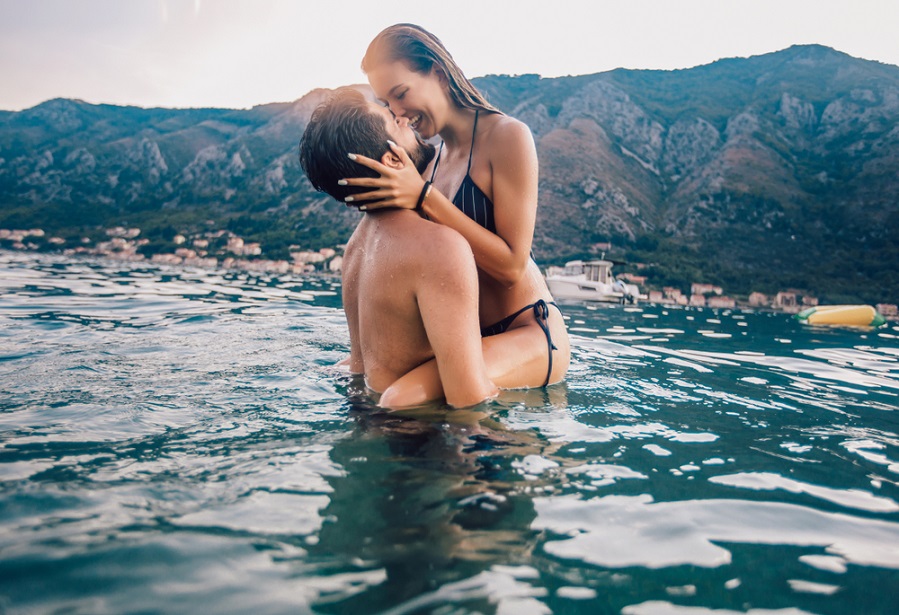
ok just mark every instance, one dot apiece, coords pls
pixel 264 266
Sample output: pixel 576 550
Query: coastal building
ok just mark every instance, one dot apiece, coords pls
pixel 759 300
pixel 120 231
pixel 705 289
pixel 674 295
pixel 888 310
pixel 166 259
pixel 697 300
pixel 721 301
pixel 18 235
pixel 307 256
pixel 236 245
pixel 639 280
pixel 204 263
pixel 793 301
pixel 787 301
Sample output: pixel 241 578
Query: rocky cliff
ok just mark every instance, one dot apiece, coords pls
pixel 760 173
pixel 68 166
pixel 772 171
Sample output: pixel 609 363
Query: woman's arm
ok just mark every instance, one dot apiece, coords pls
pixel 513 164
pixel 512 157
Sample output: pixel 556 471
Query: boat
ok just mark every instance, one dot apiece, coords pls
pixel 841 315
pixel 590 281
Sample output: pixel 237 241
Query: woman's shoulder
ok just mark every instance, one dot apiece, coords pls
pixel 502 126
pixel 507 134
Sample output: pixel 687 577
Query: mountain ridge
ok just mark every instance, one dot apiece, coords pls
pixel 757 173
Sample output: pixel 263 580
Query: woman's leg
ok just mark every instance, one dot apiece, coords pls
pixel 517 358
pixel 417 387
pixel 520 357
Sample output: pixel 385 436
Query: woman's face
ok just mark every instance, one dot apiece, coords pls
pixel 419 98
pixel 421 152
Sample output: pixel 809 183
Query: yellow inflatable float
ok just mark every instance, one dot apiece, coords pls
pixel 845 315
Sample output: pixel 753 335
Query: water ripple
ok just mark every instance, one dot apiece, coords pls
pixel 176 440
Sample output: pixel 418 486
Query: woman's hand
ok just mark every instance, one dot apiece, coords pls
pixel 398 186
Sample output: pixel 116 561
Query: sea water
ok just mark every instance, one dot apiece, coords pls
pixel 179 441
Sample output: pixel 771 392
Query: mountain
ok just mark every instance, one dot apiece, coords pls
pixel 74 168
pixel 761 173
pixel 780 170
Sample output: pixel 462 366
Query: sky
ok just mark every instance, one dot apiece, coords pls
pixel 241 53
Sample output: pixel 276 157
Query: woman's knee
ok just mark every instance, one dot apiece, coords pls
pixel 402 395
pixel 419 386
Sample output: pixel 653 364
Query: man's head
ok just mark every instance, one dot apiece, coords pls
pixel 349 123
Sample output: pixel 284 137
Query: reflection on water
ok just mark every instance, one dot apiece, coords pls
pixel 422 506
pixel 179 441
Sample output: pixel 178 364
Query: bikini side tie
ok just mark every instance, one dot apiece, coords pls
pixel 541 314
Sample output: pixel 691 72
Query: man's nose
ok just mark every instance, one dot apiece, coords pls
pixel 401 121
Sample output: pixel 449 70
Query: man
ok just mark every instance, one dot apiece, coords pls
pixel 410 287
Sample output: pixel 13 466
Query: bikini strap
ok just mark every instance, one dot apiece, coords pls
pixel 473 133
pixel 541 314
pixel 436 162
pixel 470 151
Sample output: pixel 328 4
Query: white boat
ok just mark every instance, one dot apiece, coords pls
pixel 589 281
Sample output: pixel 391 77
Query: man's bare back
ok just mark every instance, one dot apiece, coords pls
pixel 410 294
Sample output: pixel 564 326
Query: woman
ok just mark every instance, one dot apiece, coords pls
pixel 488 162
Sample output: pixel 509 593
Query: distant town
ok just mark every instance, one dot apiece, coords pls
pixel 218 249
pixel 225 250
pixel 708 295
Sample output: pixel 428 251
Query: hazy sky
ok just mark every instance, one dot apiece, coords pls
pixel 240 53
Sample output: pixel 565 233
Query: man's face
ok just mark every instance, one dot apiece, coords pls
pixel 421 152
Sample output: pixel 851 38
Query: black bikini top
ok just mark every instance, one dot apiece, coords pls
pixel 470 199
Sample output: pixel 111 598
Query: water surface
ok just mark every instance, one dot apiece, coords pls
pixel 176 441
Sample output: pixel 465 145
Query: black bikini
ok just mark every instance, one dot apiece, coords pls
pixel 472 201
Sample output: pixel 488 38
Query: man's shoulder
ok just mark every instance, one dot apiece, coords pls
pixel 422 247
pixel 354 242
pixel 435 237
pixel 417 241
pixel 448 257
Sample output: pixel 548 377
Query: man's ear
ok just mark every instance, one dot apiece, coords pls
pixel 389 159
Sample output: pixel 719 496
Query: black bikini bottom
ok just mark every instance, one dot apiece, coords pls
pixel 541 313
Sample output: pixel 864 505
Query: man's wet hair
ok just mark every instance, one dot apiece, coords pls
pixel 341 125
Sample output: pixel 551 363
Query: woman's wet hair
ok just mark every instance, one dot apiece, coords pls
pixel 422 51
pixel 341 125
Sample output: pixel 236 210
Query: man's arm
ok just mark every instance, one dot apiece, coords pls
pixel 447 296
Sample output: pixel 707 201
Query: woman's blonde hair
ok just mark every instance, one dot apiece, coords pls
pixel 422 51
